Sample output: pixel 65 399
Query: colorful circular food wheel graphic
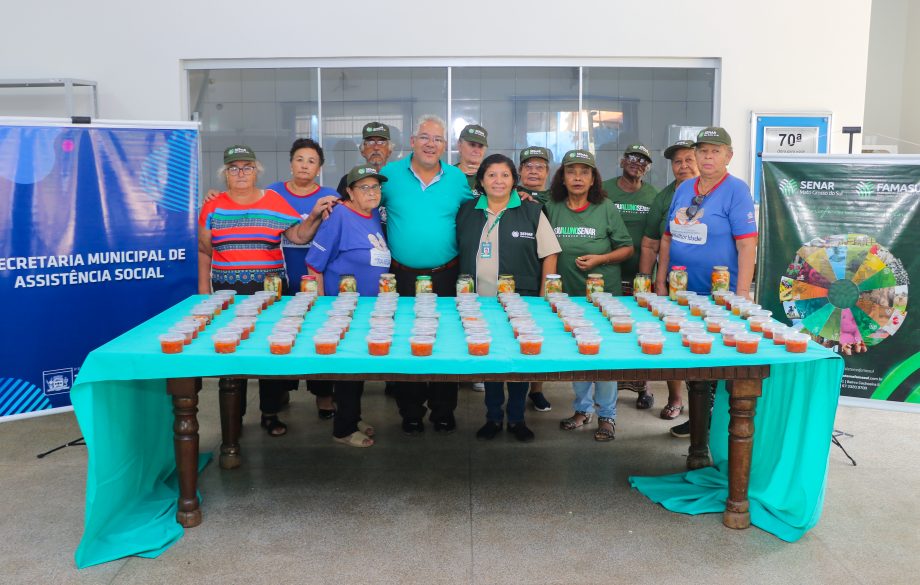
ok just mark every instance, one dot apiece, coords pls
pixel 847 290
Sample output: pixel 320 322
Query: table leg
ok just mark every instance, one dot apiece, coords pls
pixel 698 454
pixel 231 399
pixel 743 401
pixel 185 439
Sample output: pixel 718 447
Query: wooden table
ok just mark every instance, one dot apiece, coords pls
pixel 744 387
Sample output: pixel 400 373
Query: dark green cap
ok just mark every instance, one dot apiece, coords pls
pixel 475 133
pixel 375 129
pixel 535 152
pixel 363 172
pixel 639 149
pixel 670 151
pixel 583 157
pixel 713 135
pixel 238 152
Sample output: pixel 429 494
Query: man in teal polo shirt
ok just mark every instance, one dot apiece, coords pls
pixel 422 196
pixel 472 146
pixel 633 198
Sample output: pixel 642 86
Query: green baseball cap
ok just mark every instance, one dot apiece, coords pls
pixel 375 129
pixel 670 151
pixel 639 149
pixel 475 133
pixel 535 152
pixel 582 157
pixel 238 152
pixel 713 135
pixel 362 172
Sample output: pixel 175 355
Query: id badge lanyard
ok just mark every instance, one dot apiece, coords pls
pixel 485 247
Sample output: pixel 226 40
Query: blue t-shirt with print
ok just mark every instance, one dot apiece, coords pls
pixel 295 254
pixel 350 243
pixel 707 240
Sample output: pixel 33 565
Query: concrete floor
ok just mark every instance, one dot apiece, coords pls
pixel 439 509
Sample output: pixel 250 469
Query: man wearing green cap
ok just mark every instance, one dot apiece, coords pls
pixel 633 198
pixel 472 146
pixel 534 170
pixel 375 148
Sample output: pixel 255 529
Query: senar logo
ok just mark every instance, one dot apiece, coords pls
pixel 865 188
pixel 788 187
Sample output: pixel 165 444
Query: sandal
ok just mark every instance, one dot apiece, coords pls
pixel 603 433
pixel 366 428
pixel 356 439
pixel 671 411
pixel 572 423
pixel 273 426
pixel 645 400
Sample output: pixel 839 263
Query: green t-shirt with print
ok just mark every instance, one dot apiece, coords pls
pixel 656 222
pixel 634 208
pixel 471 179
pixel 598 229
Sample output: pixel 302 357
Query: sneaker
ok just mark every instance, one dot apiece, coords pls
pixel 445 426
pixel 412 427
pixel 540 403
pixel 479 387
pixel 681 431
pixel 489 431
pixel 521 432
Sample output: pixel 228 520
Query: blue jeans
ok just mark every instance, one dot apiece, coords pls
pixel 495 398
pixel 605 395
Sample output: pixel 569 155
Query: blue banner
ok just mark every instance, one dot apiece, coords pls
pixel 97 234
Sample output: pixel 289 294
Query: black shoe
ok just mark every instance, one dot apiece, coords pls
pixel 489 431
pixel 445 426
pixel 645 400
pixel 540 403
pixel 413 427
pixel 521 432
pixel 681 431
pixel 325 414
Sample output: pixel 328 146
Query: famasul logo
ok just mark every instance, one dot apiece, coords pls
pixel 362 171
pixel 788 187
pixel 865 189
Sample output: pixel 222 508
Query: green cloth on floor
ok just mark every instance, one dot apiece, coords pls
pixel 126 416
pixel 793 423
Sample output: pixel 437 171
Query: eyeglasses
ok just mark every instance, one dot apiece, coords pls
pixel 535 166
pixel 425 139
pixel 365 189
pixel 375 142
pixel 695 206
pixel 636 159
pixel 247 170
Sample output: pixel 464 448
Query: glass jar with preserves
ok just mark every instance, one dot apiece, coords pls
pixel 677 281
pixel 348 283
pixel 465 284
pixel 423 284
pixel 642 283
pixel 387 283
pixel 505 283
pixel 552 284
pixel 308 284
pixel 273 284
pixel 721 278
pixel 594 283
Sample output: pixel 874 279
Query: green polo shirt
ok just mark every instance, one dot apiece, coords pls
pixel 598 229
pixel 634 208
pixel 470 179
pixel 656 222
pixel 422 219
pixel 540 196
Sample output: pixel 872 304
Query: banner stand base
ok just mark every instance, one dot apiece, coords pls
pixel 835 440
pixel 82 441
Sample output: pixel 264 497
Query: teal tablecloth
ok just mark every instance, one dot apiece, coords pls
pixel 126 416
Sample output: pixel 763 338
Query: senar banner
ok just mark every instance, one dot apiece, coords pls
pixel 840 245
pixel 97 234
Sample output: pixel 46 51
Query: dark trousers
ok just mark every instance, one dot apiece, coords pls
pixel 495 399
pixel 441 397
pixel 321 388
pixel 348 407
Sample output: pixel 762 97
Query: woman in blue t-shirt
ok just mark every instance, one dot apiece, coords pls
pixel 351 242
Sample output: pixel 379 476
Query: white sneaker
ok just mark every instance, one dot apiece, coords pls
pixel 479 387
